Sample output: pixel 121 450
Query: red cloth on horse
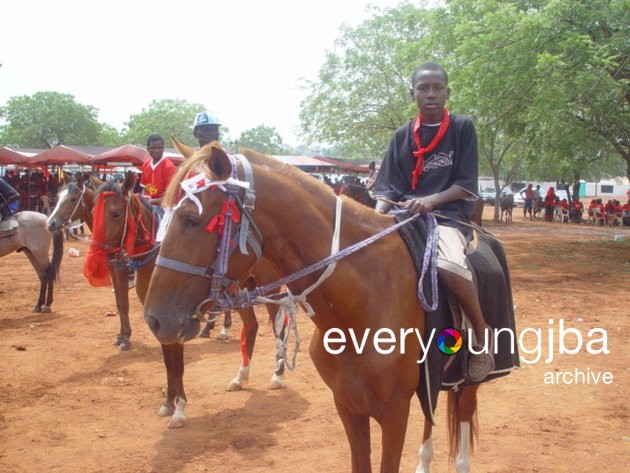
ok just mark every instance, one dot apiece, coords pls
pixel 96 269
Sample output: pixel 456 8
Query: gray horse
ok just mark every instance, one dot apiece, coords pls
pixel 28 234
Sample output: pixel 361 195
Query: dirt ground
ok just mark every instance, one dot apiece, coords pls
pixel 71 402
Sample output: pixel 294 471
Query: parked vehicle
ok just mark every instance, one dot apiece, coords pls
pixel 488 195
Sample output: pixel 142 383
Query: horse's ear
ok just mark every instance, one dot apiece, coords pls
pixel 95 181
pixel 130 180
pixel 67 177
pixel 186 150
pixel 79 179
pixel 218 161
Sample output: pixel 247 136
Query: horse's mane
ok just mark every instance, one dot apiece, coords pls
pixel 197 164
pixel 108 186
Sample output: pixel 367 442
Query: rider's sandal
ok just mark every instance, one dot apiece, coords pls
pixel 479 366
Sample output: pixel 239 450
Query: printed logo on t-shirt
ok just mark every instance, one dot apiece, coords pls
pixel 439 160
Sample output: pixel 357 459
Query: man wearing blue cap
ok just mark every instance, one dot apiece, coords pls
pixel 206 128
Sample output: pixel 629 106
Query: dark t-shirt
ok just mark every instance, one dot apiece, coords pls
pixel 454 162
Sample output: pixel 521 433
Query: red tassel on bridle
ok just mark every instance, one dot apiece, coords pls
pixel 218 222
pixel 420 151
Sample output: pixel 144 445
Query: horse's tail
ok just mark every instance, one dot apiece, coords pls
pixel 462 407
pixel 52 272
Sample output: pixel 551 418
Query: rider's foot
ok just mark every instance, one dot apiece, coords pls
pixel 481 364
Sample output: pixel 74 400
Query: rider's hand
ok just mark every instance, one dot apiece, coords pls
pixel 420 205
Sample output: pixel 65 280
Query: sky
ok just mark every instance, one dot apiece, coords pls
pixel 244 60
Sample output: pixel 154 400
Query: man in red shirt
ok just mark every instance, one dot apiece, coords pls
pixel 157 171
pixel 577 208
pixel 528 206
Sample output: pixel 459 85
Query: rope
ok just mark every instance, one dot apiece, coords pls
pixel 429 259
pixel 287 311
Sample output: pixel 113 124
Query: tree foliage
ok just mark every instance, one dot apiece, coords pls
pixel 48 119
pixel 165 117
pixel 545 81
pixel 262 138
pixel 362 94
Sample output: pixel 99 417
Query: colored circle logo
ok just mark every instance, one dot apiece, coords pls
pixel 449 341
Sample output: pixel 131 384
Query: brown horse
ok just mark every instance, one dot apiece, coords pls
pixel 358 192
pixel 29 235
pixel 77 201
pixel 296 216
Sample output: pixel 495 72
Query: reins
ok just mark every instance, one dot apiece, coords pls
pixel 220 296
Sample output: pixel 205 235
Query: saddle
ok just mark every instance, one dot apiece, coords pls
pixel 8 227
pixel 489 266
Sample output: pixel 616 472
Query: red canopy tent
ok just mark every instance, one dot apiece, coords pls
pixel 10 156
pixel 63 154
pixel 126 154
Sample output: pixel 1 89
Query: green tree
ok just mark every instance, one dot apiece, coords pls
pixel 580 116
pixel 166 117
pixel 48 119
pixel 262 138
pixel 362 92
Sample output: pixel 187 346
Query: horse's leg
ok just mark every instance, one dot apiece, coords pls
pixel 224 334
pixel 248 339
pixel 52 271
pixel 41 299
pixel 462 408
pixel 120 280
pixel 40 265
pixel 205 332
pixel 357 429
pixel 394 427
pixel 426 449
pixel 175 402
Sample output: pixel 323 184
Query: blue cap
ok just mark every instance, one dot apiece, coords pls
pixel 205 118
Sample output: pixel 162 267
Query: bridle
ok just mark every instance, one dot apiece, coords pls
pixel 234 211
pixel 119 255
pixel 69 223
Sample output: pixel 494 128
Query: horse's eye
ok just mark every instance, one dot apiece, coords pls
pixel 191 221
pixel 116 214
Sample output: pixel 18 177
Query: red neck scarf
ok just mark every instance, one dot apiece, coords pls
pixel 420 151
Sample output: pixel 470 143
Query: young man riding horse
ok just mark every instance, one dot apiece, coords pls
pixel 431 165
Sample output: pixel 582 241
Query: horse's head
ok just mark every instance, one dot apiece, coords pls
pixel 204 199
pixel 119 214
pixel 74 201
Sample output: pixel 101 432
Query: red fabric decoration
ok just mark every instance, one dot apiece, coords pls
pixel 218 222
pixel 95 268
pixel 420 151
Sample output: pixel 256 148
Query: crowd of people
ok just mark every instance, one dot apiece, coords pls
pixel 35 190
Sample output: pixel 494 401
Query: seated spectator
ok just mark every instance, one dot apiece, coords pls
pixel 576 211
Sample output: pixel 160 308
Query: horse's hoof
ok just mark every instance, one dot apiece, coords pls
pixel 275 382
pixel 37 308
pixel 46 309
pixel 118 340
pixel 176 422
pixel 124 345
pixel 234 386
pixel 223 335
pixel 204 334
pixel 166 411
